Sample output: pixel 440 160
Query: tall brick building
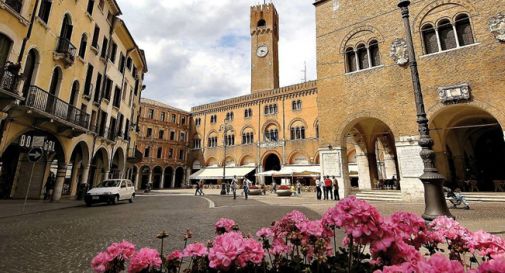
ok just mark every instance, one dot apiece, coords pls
pixel 269 129
pixel 366 101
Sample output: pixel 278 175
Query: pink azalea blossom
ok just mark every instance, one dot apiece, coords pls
pixel 225 250
pixel 288 223
pixel 174 255
pixel 495 265
pixel 279 247
pixel 123 250
pixel 311 228
pixel 486 244
pixel 439 263
pixel 224 225
pixel 144 259
pixel 195 250
pixel 101 262
pixel 253 252
pixel 265 233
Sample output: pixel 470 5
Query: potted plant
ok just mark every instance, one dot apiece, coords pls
pixel 284 190
pixel 254 190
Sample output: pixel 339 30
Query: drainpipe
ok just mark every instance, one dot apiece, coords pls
pixel 28 34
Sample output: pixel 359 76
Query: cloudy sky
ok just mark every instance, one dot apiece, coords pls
pixel 198 51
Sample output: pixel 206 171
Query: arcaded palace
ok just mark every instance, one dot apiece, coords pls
pixel 71 77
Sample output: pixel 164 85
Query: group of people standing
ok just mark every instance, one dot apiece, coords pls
pixel 327 189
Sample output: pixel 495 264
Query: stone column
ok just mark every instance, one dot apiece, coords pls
pixel 150 181
pixel 173 179
pixel 162 182
pixel 364 181
pixel 85 174
pixel 60 180
pixel 137 179
pixel 73 178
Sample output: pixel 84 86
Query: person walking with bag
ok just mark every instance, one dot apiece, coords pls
pixel 318 189
pixel 335 188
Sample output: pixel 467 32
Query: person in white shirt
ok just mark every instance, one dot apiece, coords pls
pixel 234 185
pixel 318 189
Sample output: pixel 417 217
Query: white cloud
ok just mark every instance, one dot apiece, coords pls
pixel 189 64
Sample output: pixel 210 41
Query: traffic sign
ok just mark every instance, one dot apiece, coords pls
pixel 35 154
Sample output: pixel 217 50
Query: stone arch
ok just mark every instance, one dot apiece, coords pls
pixel 156 177
pixel 367 28
pixel 100 166
pixel 295 120
pixel 179 177
pixel 469 147
pixel 118 163
pixel 419 19
pixel 78 162
pixel 229 161
pixel 298 158
pixel 168 177
pixel 247 160
pixel 317 158
pixel 268 123
pixel 246 128
pixel 354 118
pixel 212 162
pixel 268 153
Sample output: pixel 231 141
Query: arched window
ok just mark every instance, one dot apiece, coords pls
pixel 296 105
pixel 362 57
pixel 464 30
pixel 74 94
pixel 262 23
pixel 446 34
pixel 373 48
pixel 29 72
pixel 15 5
pixel 5 48
pixel 55 81
pixel 271 134
pixel 429 39
pixel 297 130
pixel 350 57
pixel 45 10
pixel 248 136
pixel 82 47
pixel 212 140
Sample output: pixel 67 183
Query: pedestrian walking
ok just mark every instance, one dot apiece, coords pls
pixel 246 187
pixel 299 187
pixel 48 195
pixel 274 186
pixel 335 188
pixel 197 191
pixel 227 188
pixel 201 187
pixel 327 187
pixel 233 186
pixel 318 189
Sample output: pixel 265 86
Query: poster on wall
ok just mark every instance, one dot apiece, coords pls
pixel 331 164
pixel 410 161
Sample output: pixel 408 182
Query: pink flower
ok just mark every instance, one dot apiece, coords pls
pixel 495 265
pixel 145 259
pixel 279 247
pixel 486 244
pixel 174 255
pixel 253 252
pixel 225 250
pixel 358 219
pixel 406 267
pixel 100 262
pixel 195 250
pixel 123 250
pixel 311 228
pixel 288 223
pixel 224 225
pixel 439 263
pixel 265 233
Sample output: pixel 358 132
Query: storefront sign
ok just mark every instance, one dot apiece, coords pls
pixel 30 141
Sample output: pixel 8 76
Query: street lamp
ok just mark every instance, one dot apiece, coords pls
pixel 224 128
pixel 434 200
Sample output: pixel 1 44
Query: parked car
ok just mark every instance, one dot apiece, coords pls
pixel 111 191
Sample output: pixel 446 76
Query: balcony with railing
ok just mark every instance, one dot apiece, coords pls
pixel 49 106
pixel 15 5
pixel 8 85
pixel 66 51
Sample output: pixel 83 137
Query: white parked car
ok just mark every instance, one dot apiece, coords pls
pixel 111 191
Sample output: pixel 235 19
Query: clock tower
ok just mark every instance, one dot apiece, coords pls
pixel 264 48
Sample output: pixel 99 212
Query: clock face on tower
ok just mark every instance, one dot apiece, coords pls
pixel 262 51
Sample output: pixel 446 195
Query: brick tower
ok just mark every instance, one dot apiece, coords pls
pixel 264 48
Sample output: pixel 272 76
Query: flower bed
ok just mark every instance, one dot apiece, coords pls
pixel 401 243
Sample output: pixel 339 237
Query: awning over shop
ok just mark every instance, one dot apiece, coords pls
pixel 217 173
pixel 299 171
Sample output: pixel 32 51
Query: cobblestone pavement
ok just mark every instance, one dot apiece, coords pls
pixel 66 240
